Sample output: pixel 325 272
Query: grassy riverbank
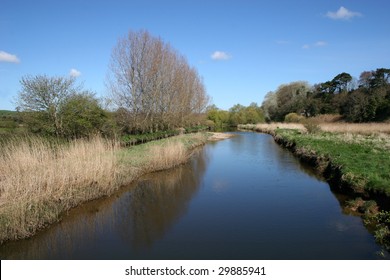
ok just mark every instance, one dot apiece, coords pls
pixel 40 179
pixel 360 159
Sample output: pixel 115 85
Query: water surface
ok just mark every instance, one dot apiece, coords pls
pixel 241 198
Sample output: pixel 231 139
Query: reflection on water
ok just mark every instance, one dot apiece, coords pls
pixel 241 198
pixel 119 226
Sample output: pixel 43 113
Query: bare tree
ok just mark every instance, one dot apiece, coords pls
pixel 153 85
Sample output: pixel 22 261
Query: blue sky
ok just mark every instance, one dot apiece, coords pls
pixel 242 49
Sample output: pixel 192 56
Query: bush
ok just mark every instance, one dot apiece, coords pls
pixel 311 126
pixel 293 118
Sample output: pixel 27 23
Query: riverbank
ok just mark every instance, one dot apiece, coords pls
pixel 41 180
pixel 357 163
pixel 354 161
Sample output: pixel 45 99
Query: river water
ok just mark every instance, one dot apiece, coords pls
pixel 241 198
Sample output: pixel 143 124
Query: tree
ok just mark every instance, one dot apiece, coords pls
pixel 41 99
pixel 237 115
pixel 153 85
pixel 380 78
pixel 82 115
pixel 288 98
pixel 219 117
pixel 341 82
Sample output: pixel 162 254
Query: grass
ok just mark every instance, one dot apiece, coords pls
pixel 363 160
pixel 360 151
pixel 40 179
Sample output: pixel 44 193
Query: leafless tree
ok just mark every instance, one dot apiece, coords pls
pixel 153 85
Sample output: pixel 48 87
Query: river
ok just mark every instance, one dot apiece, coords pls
pixel 240 198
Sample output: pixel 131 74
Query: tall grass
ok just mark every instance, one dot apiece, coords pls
pixel 357 128
pixel 41 179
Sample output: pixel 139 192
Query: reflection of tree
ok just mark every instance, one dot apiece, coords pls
pixel 139 215
pixel 159 200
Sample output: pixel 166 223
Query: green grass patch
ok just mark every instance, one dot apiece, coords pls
pixel 363 160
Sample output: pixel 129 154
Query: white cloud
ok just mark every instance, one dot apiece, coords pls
pixel 320 44
pixel 219 55
pixel 74 73
pixel 317 44
pixel 343 14
pixel 7 57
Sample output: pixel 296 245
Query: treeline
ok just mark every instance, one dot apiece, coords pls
pixel 238 114
pixel 152 89
pixel 363 100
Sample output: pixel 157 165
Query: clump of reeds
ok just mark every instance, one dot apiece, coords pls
pixel 40 179
pixel 167 156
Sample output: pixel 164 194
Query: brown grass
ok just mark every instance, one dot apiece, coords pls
pixel 39 180
pixel 334 127
pixel 357 128
pixel 270 127
pixel 167 156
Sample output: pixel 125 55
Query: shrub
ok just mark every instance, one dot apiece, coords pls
pixel 293 118
pixel 311 126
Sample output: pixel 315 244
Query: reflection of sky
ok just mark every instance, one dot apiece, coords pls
pixel 220 185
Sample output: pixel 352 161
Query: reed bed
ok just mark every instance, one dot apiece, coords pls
pixel 357 128
pixel 40 179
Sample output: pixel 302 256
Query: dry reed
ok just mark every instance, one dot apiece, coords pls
pixel 167 156
pixel 40 180
pixel 357 128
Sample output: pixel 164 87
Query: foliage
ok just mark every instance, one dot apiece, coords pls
pixel 10 122
pixel 288 98
pixel 363 101
pixel 134 139
pixel 41 99
pixel 293 118
pixel 82 116
pixel 236 115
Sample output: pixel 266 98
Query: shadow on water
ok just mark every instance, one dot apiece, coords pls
pixel 241 198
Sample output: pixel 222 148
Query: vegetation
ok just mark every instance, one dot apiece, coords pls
pixel 236 115
pixel 363 159
pixel 153 86
pixel 379 221
pixel 365 100
pixel 41 179
pixel 10 122
pixel 70 149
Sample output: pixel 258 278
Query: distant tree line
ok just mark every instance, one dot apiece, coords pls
pixel 363 100
pixel 152 88
pixel 238 114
